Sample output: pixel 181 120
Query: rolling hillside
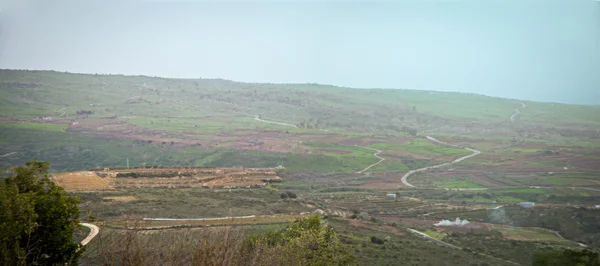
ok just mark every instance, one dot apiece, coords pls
pixel 79 121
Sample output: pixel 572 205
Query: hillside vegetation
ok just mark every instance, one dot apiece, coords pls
pixel 189 157
pixel 90 121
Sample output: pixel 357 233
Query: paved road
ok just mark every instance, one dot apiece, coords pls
pixel 411 172
pixel 376 154
pixel 94 231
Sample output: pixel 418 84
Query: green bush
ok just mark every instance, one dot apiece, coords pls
pixel 37 219
pixel 306 241
pixel 566 257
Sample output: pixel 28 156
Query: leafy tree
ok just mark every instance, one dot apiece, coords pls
pixel 307 241
pixel 567 257
pixel 37 219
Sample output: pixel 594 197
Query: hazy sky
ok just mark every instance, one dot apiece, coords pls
pixel 539 50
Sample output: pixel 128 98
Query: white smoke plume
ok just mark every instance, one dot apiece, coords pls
pixel 457 222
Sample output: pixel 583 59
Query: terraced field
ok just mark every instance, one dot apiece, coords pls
pixel 107 179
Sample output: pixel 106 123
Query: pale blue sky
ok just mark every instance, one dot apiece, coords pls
pixel 538 50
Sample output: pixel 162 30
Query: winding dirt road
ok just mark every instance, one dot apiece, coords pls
pixel 376 154
pixel 411 172
pixel 513 117
pixel 381 159
pixel 94 231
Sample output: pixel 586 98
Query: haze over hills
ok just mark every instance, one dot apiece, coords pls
pixel 229 116
pixel 531 50
pixel 453 132
pixel 382 166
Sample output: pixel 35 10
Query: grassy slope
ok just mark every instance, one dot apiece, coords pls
pixel 203 108
pixel 208 107
pixel 51 91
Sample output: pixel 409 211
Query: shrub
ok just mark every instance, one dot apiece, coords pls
pixel 306 241
pixel 37 219
pixel 377 240
pixel 566 257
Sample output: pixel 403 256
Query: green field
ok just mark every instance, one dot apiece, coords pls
pixel 532 234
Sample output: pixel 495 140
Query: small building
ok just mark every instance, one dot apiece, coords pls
pixel 597 206
pixel 391 196
pixel 527 204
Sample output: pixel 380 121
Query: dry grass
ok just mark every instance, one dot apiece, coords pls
pixel 120 198
pixel 82 181
pixel 209 246
pixel 272 219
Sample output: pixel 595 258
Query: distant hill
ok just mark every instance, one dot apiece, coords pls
pixel 42 93
pixel 78 121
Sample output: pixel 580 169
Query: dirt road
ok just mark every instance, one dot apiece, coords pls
pixel 381 159
pixel 411 172
pixel 199 219
pixel 376 154
pixel 94 231
pixel 425 236
pixel 257 118
pixel 513 117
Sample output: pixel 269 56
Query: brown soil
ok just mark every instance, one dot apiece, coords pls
pixel 82 181
pixel 196 177
pixel 533 145
pixel 120 198
pixel 584 163
pixel 389 181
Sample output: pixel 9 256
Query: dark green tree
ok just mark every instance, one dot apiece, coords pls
pixel 567 257
pixel 37 219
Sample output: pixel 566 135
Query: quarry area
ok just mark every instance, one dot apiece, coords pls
pixel 108 179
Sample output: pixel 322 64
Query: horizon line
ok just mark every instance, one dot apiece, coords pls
pixel 293 83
